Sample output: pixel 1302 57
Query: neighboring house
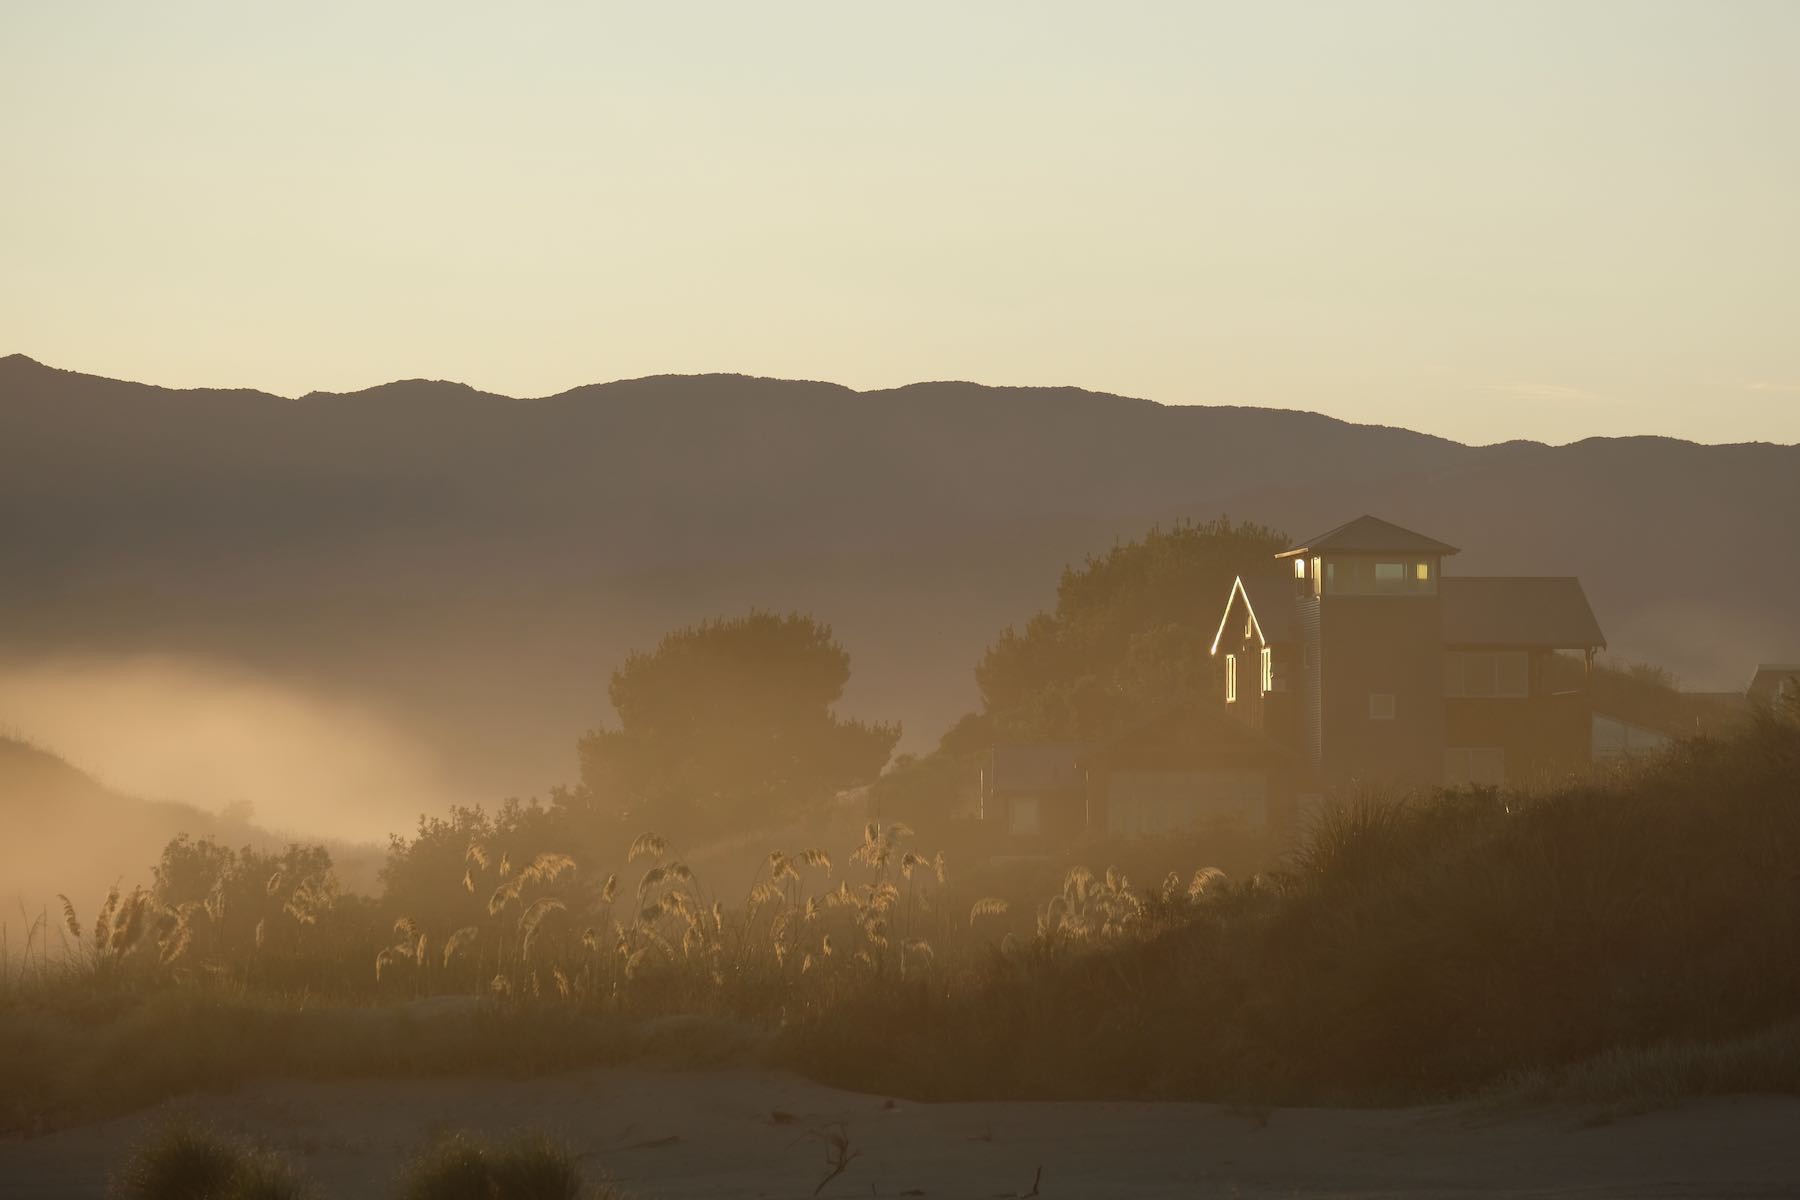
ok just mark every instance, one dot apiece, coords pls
pixel 1036 792
pixel 1375 666
pixel 1635 717
pixel 1189 769
pixel 1773 681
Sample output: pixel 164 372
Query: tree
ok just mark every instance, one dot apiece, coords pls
pixel 1131 634
pixel 728 725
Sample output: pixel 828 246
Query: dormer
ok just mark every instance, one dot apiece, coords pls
pixel 1368 557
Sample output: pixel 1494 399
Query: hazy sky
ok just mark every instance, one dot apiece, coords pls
pixel 1490 220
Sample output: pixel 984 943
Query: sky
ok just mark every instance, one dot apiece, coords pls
pixel 1549 220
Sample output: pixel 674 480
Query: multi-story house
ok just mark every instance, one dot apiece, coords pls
pixel 1362 656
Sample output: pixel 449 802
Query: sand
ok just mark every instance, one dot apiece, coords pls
pixel 751 1133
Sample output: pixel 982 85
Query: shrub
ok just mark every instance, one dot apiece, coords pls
pixel 185 1160
pixel 528 1166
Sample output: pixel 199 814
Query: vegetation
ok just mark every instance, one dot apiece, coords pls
pixel 183 1160
pixel 1578 939
pixel 728 726
pixel 1125 640
pixel 1124 643
pixel 528 1166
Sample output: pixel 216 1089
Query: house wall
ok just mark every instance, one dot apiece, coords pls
pixel 1309 710
pixel 1387 645
pixel 1061 816
pixel 1544 734
pixel 1146 803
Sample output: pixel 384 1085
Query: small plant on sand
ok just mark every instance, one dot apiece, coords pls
pixel 185 1160
pixel 528 1166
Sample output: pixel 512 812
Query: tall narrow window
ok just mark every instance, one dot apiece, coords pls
pixel 1231 679
pixel 1299 568
pixel 1268 670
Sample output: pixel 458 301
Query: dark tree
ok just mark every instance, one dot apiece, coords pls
pixel 728 725
pixel 1130 635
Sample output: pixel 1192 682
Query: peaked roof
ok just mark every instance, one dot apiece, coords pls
pixel 1370 535
pixel 1270 599
pixel 1545 611
pixel 1770 678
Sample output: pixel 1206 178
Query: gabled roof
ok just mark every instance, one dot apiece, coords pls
pixel 1271 597
pixel 1370 535
pixel 1769 679
pixel 1547 612
pixel 1038 767
pixel 1270 601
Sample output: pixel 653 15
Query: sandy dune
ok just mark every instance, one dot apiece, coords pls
pixel 745 1133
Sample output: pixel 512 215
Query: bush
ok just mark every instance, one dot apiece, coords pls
pixel 184 1160
pixel 528 1166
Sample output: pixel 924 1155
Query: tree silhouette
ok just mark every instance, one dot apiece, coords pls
pixel 729 724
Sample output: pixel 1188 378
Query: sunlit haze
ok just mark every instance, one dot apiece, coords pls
pixel 1541 220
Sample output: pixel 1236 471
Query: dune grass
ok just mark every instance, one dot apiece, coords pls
pixel 185 1160
pixel 1619 935
pixel 525 1166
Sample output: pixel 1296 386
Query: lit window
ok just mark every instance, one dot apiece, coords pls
pixel 1422 572
pixel 1249 627
pixel 1381 706
pixel 1231 679
pixel 1299 568
pixel 1268 670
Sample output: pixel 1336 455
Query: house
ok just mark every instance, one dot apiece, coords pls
pixel 1773 681
pixel 1354 659
pixel 1375 666
pixel 1037 793
pixel 1187 769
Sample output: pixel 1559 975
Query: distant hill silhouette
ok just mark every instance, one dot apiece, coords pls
pixel 67 832
pixel 482 562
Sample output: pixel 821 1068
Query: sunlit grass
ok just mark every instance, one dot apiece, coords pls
pixel 1611 935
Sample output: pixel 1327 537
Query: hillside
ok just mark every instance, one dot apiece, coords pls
pixel 475 564
pixel 67 832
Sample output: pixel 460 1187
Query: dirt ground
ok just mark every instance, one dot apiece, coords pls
pixel 753 1133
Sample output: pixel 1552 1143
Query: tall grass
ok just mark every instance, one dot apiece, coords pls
pixel 1412 947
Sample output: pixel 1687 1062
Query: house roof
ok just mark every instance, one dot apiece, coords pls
pixel 1546 611
pixel 1271 597
pixel 1271 601
pixel 1038 767
pixel 1769 678
pixel 1370 535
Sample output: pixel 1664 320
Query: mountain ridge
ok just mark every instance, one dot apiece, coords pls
pixel 480 563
